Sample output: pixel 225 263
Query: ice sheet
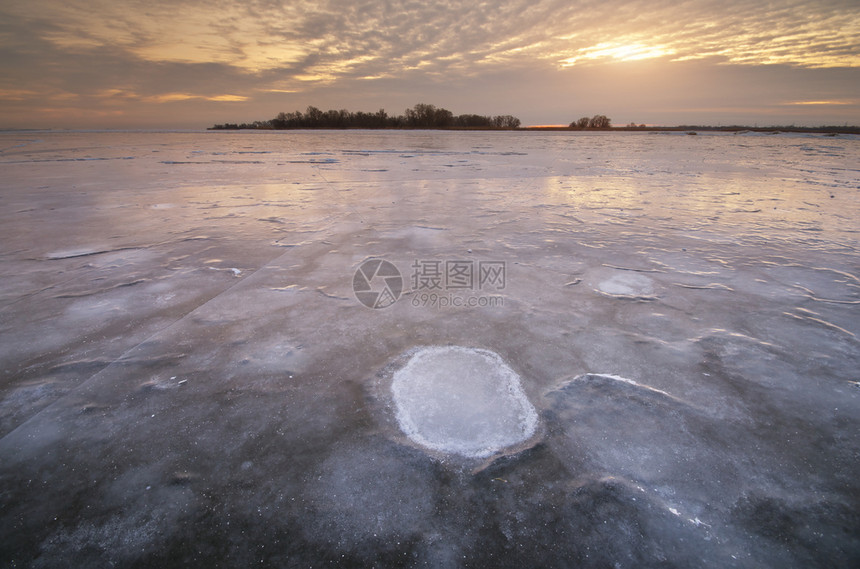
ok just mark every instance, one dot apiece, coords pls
pixel 188 378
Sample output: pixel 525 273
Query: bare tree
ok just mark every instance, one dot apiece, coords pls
pixel 314 116
pixel 599 121
pixel 581 123
pixel 506 121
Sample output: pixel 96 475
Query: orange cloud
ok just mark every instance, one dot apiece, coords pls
pixel 175 97
pixel 820 103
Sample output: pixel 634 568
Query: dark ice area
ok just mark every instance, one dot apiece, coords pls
pixel 188 379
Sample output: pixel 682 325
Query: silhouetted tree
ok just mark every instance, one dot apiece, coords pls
pixel 506 121
pixel 428 116
pixel 596 122
pixel 314 117
pixel 599 121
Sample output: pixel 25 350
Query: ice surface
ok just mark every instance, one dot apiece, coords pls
pixel 188 379
pixel 463 401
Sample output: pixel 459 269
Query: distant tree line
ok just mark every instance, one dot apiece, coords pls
pixel 419 116
pixel 824 129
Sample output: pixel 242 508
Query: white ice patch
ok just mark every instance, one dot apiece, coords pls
pixel 236 272
pixel 627 285
pixel 462 401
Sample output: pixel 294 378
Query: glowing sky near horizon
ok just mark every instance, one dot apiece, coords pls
pixel 189 63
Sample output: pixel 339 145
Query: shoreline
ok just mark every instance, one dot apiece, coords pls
pixel 830 130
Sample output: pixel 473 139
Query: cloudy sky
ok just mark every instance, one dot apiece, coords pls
pixel 192 63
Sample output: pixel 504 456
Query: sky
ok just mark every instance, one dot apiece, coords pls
pixel 194 63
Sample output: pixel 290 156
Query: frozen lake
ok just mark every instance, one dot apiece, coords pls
pixel 434 349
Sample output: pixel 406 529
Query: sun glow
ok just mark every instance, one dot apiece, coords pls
pixel 619 52
pixel 177 97
pixel 819 103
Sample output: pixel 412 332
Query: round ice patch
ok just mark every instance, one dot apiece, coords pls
pixel 462 401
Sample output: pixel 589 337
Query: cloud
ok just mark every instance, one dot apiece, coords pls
pixel 196 51
pixel 335 38
pixel 16 94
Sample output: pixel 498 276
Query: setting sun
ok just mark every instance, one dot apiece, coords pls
pixel 625 52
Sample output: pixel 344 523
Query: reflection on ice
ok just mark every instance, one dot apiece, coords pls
pixel 462 401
